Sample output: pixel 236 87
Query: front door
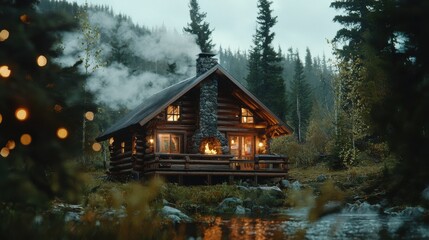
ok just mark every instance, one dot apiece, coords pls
pixel 242 147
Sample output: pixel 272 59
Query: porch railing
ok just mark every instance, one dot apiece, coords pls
pixel 204 162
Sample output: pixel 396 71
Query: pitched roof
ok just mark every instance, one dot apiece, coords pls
pixel 156 103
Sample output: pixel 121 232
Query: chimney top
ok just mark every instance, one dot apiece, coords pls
pixel 206 55
pixel 205 62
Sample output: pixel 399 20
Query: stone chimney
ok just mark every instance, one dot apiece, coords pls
pixel 205 62
pixel 207 128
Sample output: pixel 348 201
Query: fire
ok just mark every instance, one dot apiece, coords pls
pixel 207 150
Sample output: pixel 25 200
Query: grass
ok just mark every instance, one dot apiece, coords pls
pixel 355 181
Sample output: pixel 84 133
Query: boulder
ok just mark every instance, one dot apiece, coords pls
pixel 229 205
pixel 175 215
pixel 321 178
pixel 295 185
pixel 285 183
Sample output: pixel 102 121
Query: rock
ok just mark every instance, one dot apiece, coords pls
pixel 175 215
pixel 240 210
pixel 296 185
pixel 285 183
pixel 229 205
pixel 72 216
pixel 321 178
pixel 264 196
pixel 243 188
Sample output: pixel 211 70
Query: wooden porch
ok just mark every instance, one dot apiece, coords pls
pixel 223 167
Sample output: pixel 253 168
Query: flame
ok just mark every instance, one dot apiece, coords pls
pixel 207 150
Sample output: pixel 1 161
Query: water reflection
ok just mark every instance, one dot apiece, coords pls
pixel 242 228
pixel 361 223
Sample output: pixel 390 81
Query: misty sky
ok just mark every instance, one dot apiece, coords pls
pixel 301 23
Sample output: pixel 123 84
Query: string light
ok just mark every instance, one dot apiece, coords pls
pixel 62 133
pixel 96 147
pixel 10 144
pixel 21 114
pixel 25 139
pixel 4 34
pixel 89 116
pixel 42 61
pixel 5 71
pixel 4 152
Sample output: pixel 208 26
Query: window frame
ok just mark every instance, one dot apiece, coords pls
pixel 171 135
pixel 245 115
pixel 176 116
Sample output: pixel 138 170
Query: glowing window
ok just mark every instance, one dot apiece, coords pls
pixel 169 143
pixel 246 116
pixel 173 113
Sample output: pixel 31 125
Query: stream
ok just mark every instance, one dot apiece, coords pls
pixel 362 221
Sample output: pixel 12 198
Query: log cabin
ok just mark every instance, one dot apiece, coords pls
pixel 205 129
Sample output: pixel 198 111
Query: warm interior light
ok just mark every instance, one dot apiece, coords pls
pixel 21 114
pixel 4 34
pixel 111 140
pixel 62 133
pixel 4 152
pixel 42 61
pixel 260 144
pixel 1 118
pixel 10 144
pixel 151 140
pixel 232 141
pixel 89 116
pixel 25 139
pixel 207 150
pixel 5 71
pixel 96 147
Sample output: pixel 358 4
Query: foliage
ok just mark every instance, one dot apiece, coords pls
pixel 302 155
pixel 352 109
pixel 50 96
pixel 199 27
pixel 390 38
pixel 300 101
pixel 265 72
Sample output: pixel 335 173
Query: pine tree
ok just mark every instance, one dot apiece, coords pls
pixel 300 101
pixel 199 27
pixel 40 108
pixel 265 72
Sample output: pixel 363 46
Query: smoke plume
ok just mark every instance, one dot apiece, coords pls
pixel 128 82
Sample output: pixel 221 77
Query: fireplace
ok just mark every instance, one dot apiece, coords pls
pixel 210 146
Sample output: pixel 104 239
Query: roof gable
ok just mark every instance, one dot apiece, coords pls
pixel 156 103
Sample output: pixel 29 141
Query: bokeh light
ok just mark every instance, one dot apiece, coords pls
pixel 21 114
pixel 96 147
pixel 5 71
pixel 10 144
pixel 42 61
pixel 89 116
pixel 4 34
pixel 24 18
pixel 4 152
pixel 62 133
pixel 25 139
pixel 58 108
